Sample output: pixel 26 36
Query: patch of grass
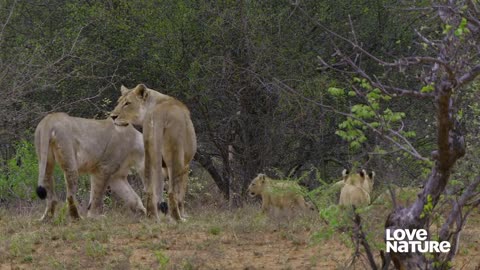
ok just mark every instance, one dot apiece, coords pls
pixel 21 245
pixel 215 230
pixel 27 259
pixel 162 259
pixel 60 218
pixel 155 245
pixel 100 236
pixel 95 249
pixel 190 263
pixel 55 263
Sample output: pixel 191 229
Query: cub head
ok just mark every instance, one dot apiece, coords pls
pixel 131 106
pixel 358 178
pixel 258 185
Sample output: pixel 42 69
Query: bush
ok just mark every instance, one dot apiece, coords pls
pixel 18 179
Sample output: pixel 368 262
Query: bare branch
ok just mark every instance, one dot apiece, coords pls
pixel 7 20
pixel 426 40
pixel 456 216
pixel 456 211
pixel 409 148
pixel 469 76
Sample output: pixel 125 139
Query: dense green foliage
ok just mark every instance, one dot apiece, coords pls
pixel 248 70
pixel 19 177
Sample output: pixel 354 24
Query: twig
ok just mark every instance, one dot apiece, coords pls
pixel 360 235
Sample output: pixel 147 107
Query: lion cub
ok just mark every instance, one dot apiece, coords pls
pixel 279 197
pixel 357 188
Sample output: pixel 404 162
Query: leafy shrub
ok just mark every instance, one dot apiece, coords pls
pixel 18 179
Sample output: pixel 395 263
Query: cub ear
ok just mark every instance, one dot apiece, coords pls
pixel 124 90
pixel 362 173
pixel 371 174
pixel 345 173
pixel 141 91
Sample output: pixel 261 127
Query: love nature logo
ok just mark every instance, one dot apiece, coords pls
pixel 404 240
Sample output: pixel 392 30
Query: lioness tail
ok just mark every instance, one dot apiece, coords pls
pixel 43 142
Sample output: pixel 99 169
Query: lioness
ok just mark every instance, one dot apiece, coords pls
pixel 277 196
pixel 97 147
pixel 169 138
pixel 356 189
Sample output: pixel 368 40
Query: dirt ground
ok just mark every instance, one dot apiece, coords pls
pixel 210 239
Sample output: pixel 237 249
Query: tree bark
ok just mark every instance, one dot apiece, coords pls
pixel 451 147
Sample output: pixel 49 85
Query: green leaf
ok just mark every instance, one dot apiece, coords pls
pixel 337 92
pixel 427 88
pixel 447 28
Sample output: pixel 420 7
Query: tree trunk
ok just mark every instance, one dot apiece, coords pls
pixel 451 147
pixel 222 183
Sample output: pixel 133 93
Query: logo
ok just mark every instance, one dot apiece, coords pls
pixel 404 241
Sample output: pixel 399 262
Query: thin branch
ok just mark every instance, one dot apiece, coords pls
pixel 7 21
pixel 456 211
pixel 469 76
pixel 361 237
pixel 412 151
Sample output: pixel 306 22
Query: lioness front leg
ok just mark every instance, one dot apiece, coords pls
pixel 122 189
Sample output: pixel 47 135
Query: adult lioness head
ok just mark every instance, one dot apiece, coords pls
pixel 134 103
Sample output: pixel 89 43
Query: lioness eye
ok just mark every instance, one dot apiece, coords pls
pixel 127 103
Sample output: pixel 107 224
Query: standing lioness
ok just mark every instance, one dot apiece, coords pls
pixel 169 138
pixel 97 147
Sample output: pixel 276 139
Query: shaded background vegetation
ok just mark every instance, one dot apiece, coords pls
pixel 248 70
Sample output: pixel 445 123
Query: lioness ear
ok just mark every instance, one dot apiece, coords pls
pixel 363 173
pixel 345 173
pixel 141 91
pixel 371 174
pixel 124 90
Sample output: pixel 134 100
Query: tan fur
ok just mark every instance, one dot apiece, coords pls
pixel 97 147
pixel 353 195
pixel 356 189
pixel 277 196
pixel 169 138
pixel 338 185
